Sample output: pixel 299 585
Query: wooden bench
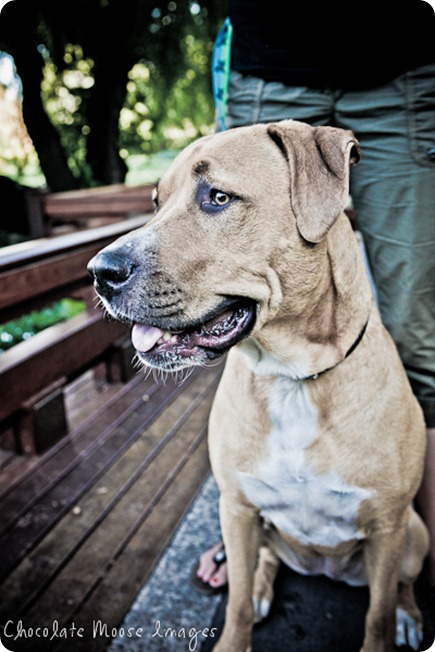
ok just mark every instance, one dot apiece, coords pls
pixel 86 208
pixel 84 524
pixel 85 520
pixel 33 374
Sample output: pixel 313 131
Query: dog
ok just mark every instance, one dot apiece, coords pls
pixel 316 440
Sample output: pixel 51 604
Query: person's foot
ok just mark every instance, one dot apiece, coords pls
pixel 210 573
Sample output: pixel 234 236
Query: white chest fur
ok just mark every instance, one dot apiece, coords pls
pixel 314 509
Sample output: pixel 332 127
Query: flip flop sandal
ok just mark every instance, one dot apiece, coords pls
pixel 204 587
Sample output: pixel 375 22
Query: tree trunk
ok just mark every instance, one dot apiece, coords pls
pixel 43 134
pixel 105 104
pixel 17 32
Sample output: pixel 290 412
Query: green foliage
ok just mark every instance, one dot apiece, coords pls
pixel 65 91
pixel 25 327
pixel 168 95
pixel 188 106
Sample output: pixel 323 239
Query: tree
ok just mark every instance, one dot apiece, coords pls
pixel 107 38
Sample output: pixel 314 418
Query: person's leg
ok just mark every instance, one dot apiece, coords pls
pixel 393 190
pixel 253 100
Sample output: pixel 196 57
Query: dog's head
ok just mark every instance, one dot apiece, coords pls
pixel 237 215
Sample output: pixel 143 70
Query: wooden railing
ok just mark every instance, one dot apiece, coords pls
pixel 85 208
pixel 34 372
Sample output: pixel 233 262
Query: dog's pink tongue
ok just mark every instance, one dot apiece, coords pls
pixel 145 337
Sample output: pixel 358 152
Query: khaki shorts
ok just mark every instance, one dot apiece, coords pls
pixel 392 189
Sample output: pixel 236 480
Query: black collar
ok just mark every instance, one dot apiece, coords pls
pixel 349 351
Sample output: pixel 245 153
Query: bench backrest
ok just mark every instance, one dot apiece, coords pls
pixel 32 275
pixel 83 207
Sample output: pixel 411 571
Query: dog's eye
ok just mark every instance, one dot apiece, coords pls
pixel 213 200
pixel 219 198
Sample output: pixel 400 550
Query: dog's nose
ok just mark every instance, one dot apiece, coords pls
pixel 110 271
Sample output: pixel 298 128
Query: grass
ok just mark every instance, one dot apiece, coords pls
pixel 25 327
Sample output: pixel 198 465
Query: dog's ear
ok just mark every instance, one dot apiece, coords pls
pixel 319 159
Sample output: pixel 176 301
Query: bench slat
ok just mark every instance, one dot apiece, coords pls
pixel 19 285
pixel 25 252
pixel 61 350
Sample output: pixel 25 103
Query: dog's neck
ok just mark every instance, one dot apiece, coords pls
pixel 306 343
pixel 348 353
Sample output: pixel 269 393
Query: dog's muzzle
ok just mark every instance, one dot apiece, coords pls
pixel 162 335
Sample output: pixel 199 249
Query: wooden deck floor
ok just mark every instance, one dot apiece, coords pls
pixel 82 526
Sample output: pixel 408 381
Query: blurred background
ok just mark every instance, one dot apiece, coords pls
pixel 96 92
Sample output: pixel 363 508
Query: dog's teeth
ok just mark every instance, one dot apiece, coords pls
pixel 165 337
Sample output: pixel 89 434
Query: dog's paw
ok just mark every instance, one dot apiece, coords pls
pixel 262 594
pixel 262 598
pixel 261 608
pixel 409 631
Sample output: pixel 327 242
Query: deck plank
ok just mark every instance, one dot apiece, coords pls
pixel 120 585
pixel 35 471
pixel 53 489
pixel 94 516
pixel 107 496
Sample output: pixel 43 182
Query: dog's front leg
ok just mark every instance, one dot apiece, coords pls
pixel 241 530
pixel 383 555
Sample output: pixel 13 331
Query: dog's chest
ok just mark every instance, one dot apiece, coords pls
pixel 314 509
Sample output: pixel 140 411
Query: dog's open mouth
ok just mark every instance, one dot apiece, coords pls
pixel 162 348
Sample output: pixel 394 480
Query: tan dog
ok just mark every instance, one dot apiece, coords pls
pixel 316 440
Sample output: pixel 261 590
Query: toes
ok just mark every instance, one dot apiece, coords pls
pixel 207 565
pixel 261 608
pixel 220 578
pixel 408 630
